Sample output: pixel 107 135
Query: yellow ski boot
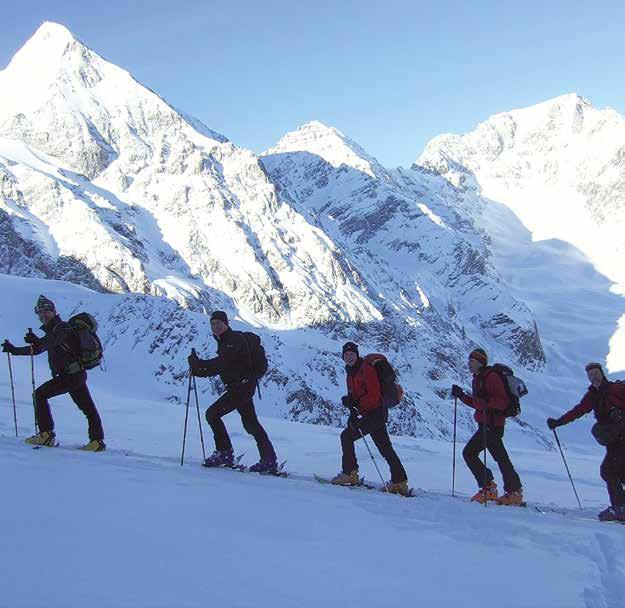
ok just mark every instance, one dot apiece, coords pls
pixel 343 479
pixel 46 438
pixel 96 445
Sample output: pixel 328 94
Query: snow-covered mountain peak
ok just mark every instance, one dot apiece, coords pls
pixel 48 43
pixel 330 144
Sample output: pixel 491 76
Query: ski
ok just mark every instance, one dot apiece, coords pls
pixel 235 466
pixel 279 472
pixel 363 485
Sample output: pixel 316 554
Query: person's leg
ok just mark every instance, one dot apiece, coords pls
pixel 612 474
pixel 52 388
pixel 224 405
pixel 471 454
pixel 253 426
pixel 349 462
pixel 79 392
pixel 497 449
pixel 375 425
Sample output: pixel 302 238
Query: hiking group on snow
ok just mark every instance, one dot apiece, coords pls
pixel 73 347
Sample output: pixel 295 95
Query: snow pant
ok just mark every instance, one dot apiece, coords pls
pixel 76 386
pixel 239 397
pixel 373 424
pixel 613 473
pixel 494 443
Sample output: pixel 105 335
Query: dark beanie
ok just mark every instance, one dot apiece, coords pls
pixel 44 304
pixel 220 315
pixel 351 346
pixel 595 366
pixel 479 355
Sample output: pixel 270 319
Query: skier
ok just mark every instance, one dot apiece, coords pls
pixel 607 400
pixel 68 376
pixel 368 416
pixel 233 364
pixel 489 399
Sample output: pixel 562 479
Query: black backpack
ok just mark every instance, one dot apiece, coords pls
pixel 515 389
pixel 392 392
pixel 91 349
pixel 258 357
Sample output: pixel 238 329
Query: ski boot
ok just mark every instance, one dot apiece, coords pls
pixel 343 479
pixel 401 487
pixel 612 514
pixel 512 499
pixel 220 458
pixel 95 445
pixel 47 438
pixel 265 465
pixel 488 492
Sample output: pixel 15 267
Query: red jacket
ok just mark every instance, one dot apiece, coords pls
pixel 364 387
pixel 601 400
pixel 489 393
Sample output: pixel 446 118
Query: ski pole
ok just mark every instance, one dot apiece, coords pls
pixel 186 420
pixel 197 407
pixel 567 468
pixel 375 464
pixel 32 376
pixel 12 391
pixel 453 465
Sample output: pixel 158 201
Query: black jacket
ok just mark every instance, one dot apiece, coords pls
pixel 62 344
pixel 233 362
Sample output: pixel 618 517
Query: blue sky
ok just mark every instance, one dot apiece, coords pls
pixel 389 74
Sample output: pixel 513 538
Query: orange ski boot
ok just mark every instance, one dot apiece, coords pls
pixel 488 492
pixel 512 499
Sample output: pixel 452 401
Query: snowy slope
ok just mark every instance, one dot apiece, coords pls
pixel 130 527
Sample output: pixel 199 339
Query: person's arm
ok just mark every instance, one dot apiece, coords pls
pixel 231 352
pixel 467 399
pixel 582 408
pixel 37 346
pixel 203 368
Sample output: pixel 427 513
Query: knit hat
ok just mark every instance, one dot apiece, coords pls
pixel 220 315
pixel 44 304
pixel 351 346
pixel 479 355
pixel 593 365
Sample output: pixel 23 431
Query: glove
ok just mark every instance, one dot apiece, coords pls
pixel 194 361
pixel 7 347
pixel 456 391
pixel 553 423
pixel 31 338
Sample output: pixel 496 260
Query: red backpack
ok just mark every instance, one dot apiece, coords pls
pixel 392 392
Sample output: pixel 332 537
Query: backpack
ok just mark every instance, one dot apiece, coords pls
pixel 515 389
pixel 258 357
pixel 392 392
pixel 91 349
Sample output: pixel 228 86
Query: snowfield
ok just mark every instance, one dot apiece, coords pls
pixel 131 527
